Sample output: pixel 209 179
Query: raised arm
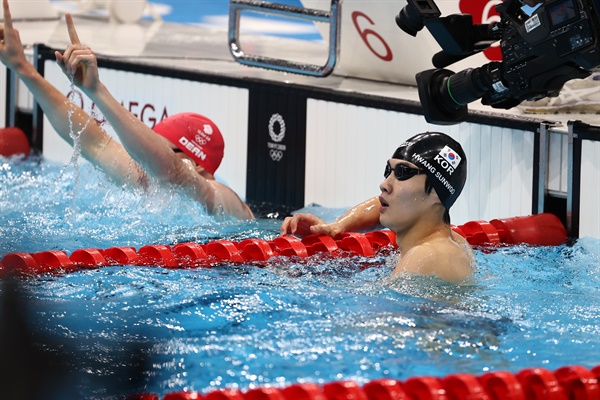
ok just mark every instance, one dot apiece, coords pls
pixel 96 145
pixel 362 217
pixel 148 148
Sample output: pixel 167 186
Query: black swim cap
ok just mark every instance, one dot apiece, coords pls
pixel 442 158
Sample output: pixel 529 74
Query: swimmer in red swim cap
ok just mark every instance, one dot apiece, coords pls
pixel 185 153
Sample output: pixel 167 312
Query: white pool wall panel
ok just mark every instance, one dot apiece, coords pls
pixel 558 162
pixel 589 223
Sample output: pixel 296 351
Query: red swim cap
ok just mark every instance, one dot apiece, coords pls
pixel 197 136
pixel 13 141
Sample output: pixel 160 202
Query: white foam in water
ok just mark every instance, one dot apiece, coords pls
pixel 590 244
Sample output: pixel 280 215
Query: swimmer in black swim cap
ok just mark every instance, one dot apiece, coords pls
pixel 423 179
pixel 441 158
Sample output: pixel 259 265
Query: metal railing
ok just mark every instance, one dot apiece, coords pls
pixel 333 17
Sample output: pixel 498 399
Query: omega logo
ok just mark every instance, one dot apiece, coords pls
pixel 147 113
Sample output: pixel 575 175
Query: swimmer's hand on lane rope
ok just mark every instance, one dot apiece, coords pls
pixel 78 60
pixel 302 225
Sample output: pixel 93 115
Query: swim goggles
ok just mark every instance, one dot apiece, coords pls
pixel 402 172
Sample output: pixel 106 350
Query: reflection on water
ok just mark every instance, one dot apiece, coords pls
pixel 318 320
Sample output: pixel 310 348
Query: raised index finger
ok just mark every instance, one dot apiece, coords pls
pixel 7 18
pixel 71 28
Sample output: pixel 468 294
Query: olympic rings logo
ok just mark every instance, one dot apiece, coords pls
pixel 276 155
pixel 200 140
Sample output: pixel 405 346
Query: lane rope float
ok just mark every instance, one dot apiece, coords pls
pixel 541 229
pixel 569 382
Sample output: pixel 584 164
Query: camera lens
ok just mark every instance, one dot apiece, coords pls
pixel 445 94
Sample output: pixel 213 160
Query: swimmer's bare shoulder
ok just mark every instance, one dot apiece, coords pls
pixel 450 259
pixel 231 201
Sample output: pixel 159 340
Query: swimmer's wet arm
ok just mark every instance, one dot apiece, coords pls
pixel 150 150
pixel 96 145
pixel 362 217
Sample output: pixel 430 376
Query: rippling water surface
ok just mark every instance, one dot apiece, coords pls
pixel 316 320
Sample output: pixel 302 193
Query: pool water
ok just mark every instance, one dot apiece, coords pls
pixel 319 320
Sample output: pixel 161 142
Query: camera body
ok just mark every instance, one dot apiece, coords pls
pixel 558 42
pixel 560 32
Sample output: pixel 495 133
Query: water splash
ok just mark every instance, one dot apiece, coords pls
pixel 73 134
pixel 76 138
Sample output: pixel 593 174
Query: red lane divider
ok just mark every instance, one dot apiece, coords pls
pixel 304 391
pixel 256 250
pixel 356 243
pixel 20 263
pixel 264 393
pixel 228 394
pixel 541 229
pixel 566 383
pixel 385 389
pixel 224 250
pixel 479 232
pixel 52 260
pixel 320 244
pixel 343 390
pixel 381 239
pixel 540 384
pixel 289 246
pixel 157 254
pixel 578 382
pixel 190 254
pixel 182 396
pixel 425 388
pixel 121 256
pixel 464 386
pixel 88 258
pixel 502 385
pixel 195 255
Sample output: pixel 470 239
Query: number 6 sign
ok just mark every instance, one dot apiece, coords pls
pixel 372 45
pixel 366 33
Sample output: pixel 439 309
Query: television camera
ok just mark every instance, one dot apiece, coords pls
pixel 558 42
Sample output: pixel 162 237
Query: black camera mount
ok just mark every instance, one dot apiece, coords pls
pixel 557 43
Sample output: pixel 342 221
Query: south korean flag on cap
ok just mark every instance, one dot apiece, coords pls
pixel 451 156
